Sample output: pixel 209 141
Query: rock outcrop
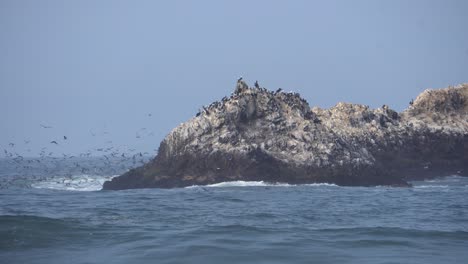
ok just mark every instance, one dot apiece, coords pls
pixel 257 134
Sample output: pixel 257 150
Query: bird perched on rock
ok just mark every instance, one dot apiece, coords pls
pixel 241 86
pixel 256 85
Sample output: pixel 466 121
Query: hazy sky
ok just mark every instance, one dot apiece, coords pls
pixel 101 67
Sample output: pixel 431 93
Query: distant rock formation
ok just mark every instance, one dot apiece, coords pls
pixel 259 135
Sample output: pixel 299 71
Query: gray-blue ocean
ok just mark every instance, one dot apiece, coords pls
pixel 52 211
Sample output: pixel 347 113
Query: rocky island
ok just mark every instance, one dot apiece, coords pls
pixel 260 135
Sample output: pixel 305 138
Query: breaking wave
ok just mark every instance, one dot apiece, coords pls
pixel 82 182
pixel 430 186
pixel 258 184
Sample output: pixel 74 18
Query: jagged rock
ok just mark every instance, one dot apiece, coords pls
pixel 257 135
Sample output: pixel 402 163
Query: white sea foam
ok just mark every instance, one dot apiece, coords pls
pixel 442 182
pixel 430 186
pixel 82 182
pixel 257 184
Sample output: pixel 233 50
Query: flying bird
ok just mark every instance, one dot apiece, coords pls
pixel 54 142
pixel 44 126
pixel 64 137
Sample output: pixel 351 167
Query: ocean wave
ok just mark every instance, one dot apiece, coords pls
pixel 82 182
pixel 430 186
pixel 258 184
pixel 28 231
pixel 453 181
pixel 387 232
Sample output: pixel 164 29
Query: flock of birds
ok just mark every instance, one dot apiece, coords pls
pixel 108 159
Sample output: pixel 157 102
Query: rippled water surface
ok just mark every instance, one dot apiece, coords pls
pixel 59 216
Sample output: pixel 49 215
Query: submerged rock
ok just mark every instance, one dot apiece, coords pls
pixel 259 135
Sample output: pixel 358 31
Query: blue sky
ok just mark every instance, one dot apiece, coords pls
pixel 96 70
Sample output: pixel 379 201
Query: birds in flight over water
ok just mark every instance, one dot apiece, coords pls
pixel 108 151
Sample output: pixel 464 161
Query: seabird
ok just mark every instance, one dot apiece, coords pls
pixel 54 142
pixel 64 137
pixel 256 85
pixel 44 126
pixel 240 79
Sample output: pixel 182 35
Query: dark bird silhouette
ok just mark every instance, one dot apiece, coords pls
pixel 240 79
pixel 64 137
pixel 279 90
pixel 256 85
pixel 54 142
pixel 44 126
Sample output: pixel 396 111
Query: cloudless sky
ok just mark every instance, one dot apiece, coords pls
pixel 96 70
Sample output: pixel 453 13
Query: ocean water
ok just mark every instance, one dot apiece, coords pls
pixel 52 211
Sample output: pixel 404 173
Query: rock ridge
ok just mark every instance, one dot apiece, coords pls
pixel 257 134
